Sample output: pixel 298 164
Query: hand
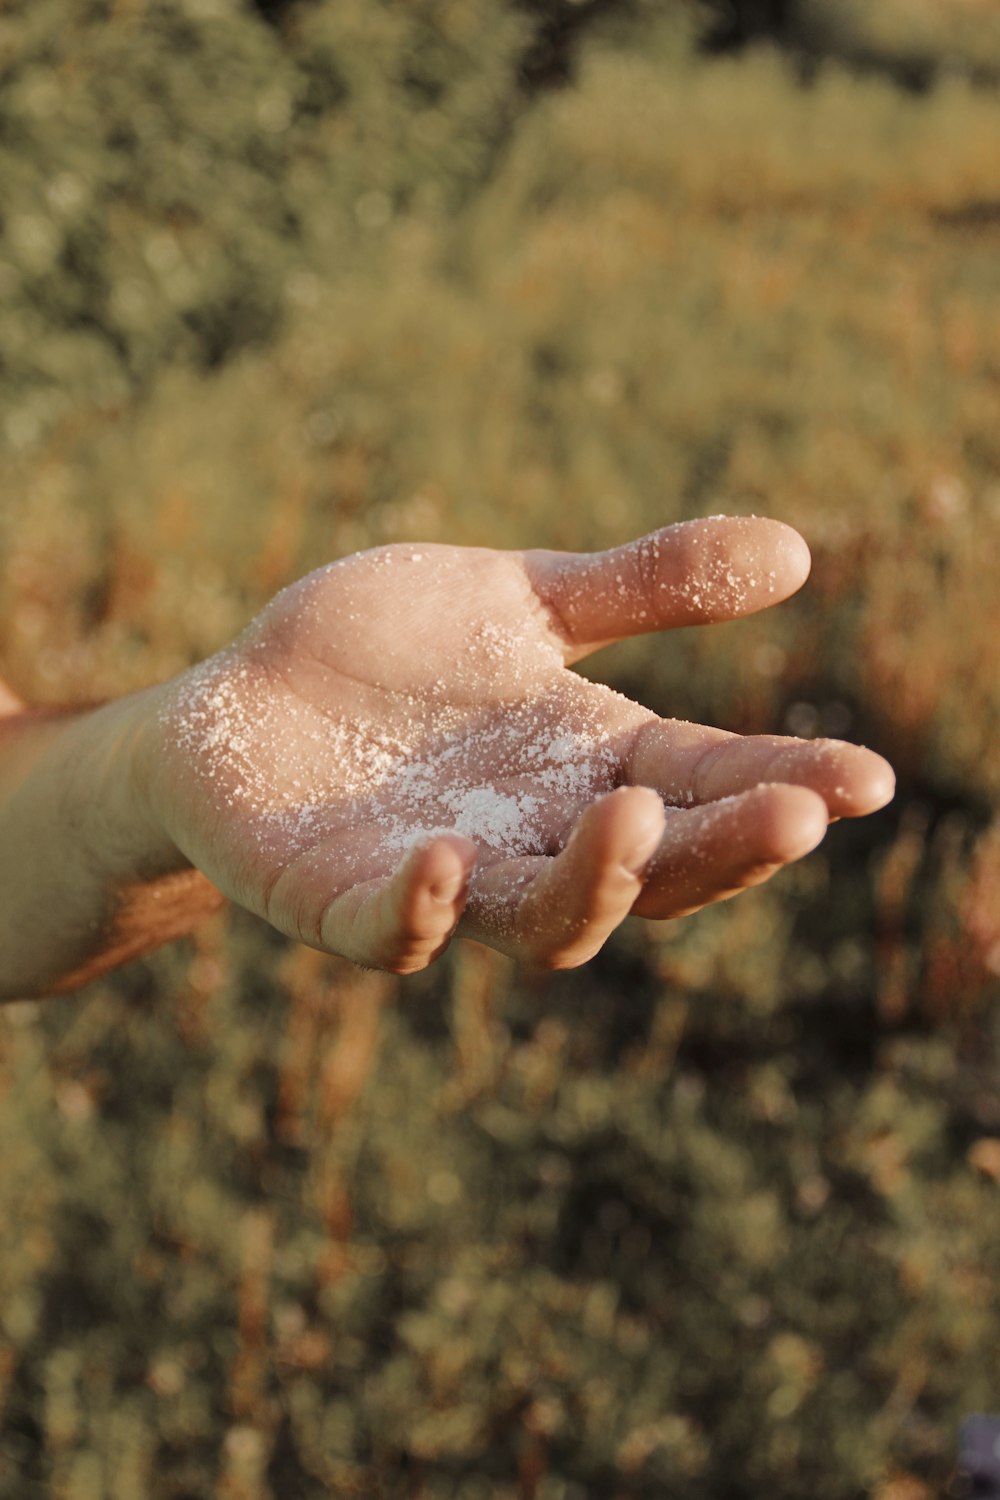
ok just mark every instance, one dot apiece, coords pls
pixel 396 750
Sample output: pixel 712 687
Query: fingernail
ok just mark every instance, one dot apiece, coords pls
pixel 447 891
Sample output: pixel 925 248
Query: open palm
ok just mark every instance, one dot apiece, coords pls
pixel 396 749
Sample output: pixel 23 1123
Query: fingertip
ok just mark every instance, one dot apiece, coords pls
pixel 646 820
pixel 791 821
pixel 729 566
pixel 878 787
pixel 444 866
pixel 774 559
pixel 432 890
pixel 581 894
pixel 792 551
pixel 623 828
pixel 856 781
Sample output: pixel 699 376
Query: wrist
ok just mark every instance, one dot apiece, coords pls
pixel 89 875
pixel 101 764
pixel 113 753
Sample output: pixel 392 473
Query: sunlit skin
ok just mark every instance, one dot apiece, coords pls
pixel 397 751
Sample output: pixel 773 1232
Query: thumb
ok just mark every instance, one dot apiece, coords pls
pixel 694 573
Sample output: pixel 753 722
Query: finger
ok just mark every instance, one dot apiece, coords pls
pixel 690 764
pixel 690 574
pixel 714 852
pixel 400 923
pixel 557 912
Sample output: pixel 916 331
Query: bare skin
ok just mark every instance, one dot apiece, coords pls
pixel 396 752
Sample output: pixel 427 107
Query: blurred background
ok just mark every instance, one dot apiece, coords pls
pixel 719 1214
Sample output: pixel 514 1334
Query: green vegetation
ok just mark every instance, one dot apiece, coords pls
pixel 720 1213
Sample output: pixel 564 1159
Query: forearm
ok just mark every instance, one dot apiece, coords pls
pixel 87 878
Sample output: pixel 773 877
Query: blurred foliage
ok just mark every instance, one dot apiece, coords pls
pixel 914 41
pixel 718 1214
pixel 168 167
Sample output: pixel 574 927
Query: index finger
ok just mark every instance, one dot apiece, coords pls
pixel 693 573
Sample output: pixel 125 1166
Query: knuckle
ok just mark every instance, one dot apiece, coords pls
pixel 647 565
pixel 701 770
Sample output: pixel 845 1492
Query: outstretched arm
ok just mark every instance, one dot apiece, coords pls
pixel 86 879
pixel 396 751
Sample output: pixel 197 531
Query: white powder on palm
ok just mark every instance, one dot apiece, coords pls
pixel 508 777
